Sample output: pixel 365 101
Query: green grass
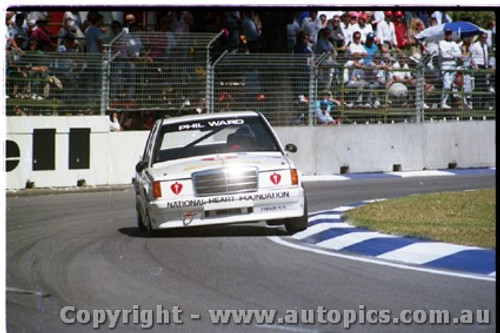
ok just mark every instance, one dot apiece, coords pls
pixel 466 218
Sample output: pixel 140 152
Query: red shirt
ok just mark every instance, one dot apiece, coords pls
pixel 401 34
pixel 41 33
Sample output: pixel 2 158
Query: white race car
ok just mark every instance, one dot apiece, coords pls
pixel 215 169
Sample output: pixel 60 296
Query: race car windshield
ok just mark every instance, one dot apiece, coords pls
pixel 214 136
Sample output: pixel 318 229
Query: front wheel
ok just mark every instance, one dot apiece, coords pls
pixel 297 224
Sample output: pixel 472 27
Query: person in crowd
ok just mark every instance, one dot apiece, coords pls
pixel 291 31
pixel 401 74
pixel 323 43
pixel 301 88
pixel 400 31
pixel 386 34
pixel 350 26
pixel 337 34
pixel 449 52
pixel 232 25
pixel 69 66
pixel 76 28
pixel 134 57
pixel 491 29
pixel 94 35
pixel 356 46
pixel 19 28
pixel 364 26
pixel 370 48
pixel 323 108
pixel 479 53
pixel 375 77
pixel 169 41
pixel 312 25
pixel 404 77
pixel 302 44
pixel 322 17
pixel 377 17
pixel 114 123
pixel 41 33
pixel 327 70
pixel 252 31
pixel 129 20
pixel 466 74
pixel 414 28
pixel 354 78
pixel 94 48
pixel 69 26
pixel 441 17
pixel 15 71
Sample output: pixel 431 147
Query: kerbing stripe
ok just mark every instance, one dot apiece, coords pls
pixel 481 261
pixel 349 239
pixel 318 228
pixel 376 246
pixel 422 252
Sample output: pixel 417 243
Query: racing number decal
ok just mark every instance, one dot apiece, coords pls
pixel 275 178
pixel 176 188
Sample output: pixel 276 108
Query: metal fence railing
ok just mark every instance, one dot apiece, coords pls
pixel 144 76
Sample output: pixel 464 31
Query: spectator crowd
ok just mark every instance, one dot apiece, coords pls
pixel 369 52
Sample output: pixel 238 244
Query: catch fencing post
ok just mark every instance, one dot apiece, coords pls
pixel 209 88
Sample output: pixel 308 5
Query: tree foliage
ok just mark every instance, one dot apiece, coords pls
pixel 479 18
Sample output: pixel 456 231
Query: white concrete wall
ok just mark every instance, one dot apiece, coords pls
pixel 374 148
pixel 321 150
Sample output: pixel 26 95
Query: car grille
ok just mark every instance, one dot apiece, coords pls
pixel 225 181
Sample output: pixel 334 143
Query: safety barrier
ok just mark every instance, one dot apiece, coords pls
pixel 74 151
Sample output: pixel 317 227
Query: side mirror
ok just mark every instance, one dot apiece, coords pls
pixel 140 166
pixel 291 148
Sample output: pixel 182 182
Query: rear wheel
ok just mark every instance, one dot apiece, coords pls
pixel 297 224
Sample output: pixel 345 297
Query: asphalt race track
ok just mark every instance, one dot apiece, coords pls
pixel 83 250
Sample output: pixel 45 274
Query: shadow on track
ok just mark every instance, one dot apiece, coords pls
pixel 231 230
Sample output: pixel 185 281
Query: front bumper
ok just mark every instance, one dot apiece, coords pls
pixel 235 208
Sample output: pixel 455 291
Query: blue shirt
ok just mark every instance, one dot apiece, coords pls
pixel 92 35
pixel 371 52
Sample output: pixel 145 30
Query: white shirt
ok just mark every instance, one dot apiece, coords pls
pixel 441 17
pixel 403 74
pixel 357 48
pixel 449 52
pixel 386 32
pixel 347 31
pixel 479 53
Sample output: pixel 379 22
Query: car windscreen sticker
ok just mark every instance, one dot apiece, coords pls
pixel 208 124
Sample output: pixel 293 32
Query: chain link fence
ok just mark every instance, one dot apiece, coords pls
pixel 147 75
